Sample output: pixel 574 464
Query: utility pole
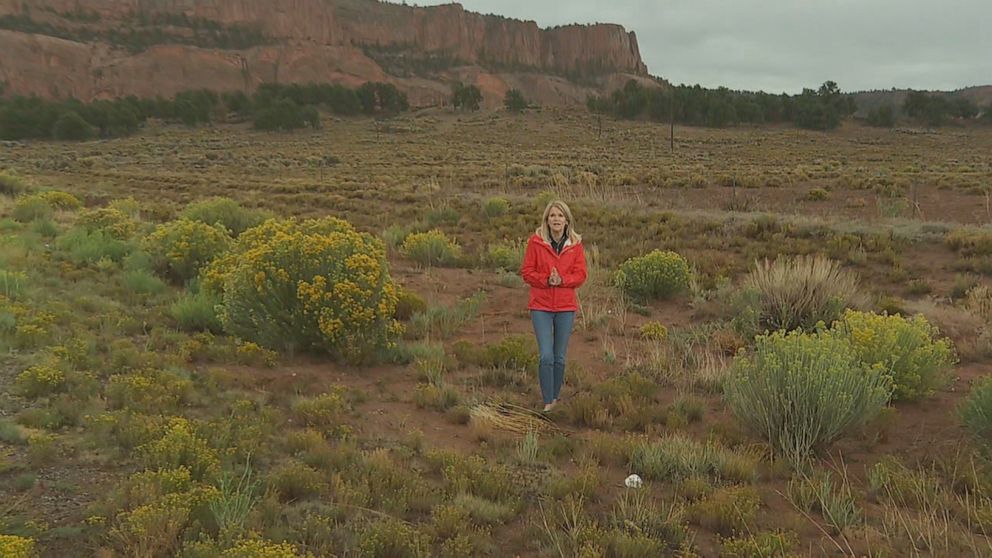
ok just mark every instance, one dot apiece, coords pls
pixel 671 119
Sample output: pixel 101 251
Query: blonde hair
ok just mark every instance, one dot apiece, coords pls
pixel 544 231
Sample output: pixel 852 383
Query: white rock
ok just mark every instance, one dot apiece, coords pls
pixel 633 481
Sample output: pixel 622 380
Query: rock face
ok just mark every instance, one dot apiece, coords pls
pixel 81 49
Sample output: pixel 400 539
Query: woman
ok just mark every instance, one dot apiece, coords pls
pixel 554 266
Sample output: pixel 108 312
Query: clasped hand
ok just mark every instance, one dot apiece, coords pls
pixel 554 280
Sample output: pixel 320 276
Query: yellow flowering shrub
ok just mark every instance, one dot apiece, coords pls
pixel 60 200
pixel 255 547
pixel 654 331
pixel 225 212
pixel 905 350
pixel 156 508
pixel 316 285
pixel 658 275
pixel 108 220
pixel 12 546
pixel 181 248
pixel 41 379
pixel 149 391
pixel 181 446
pixel 25 327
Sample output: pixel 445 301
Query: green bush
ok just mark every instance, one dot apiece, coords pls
pixel 796 293
pixel 392 538
pixel 315 285
pixel 139 281
pixel 431 248
pixel 658 275
pixel 224 211
pixel 495 207
pixel 906 351
pixel 72 127
pixel 91 247
pixel 801 391
pixel 31 208
pixel 506 255
pixel 408 304
pixel 976 413
pixel 197 312
pixel 181 248
pixel 13 185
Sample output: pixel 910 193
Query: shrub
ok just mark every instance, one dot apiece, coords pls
pixel 802 391
pixel 431 248
pixel 392 538
pixel 495 207
pixel 114 222
pixel 181 248
pixel 31 208
pixel 259 548
pixel 12 185
pixel 180 446
pixel 727 509
pixel 12 546
pixel 906 351
pixel 41 380
pixel 654 331
pixel 60 200
pixel 326 411
pixel 197 312
pixel 90 247
pixel 72 127
pixel 797 293
pixel 505 255
pixel 295 481
pixel 976 413
pixel 658 275
pixel 768 544
pixel 225 212
pixel 141 282
pixel 149 391
pixel 513 352
pixel 409 303
pixel 314 285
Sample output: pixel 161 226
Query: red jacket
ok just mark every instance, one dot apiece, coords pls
pixel 539 258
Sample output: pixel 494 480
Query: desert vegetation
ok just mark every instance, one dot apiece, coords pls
pixel 221 341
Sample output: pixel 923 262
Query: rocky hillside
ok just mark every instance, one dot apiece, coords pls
pixel 108 48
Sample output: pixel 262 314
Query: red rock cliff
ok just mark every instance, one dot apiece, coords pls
pixel 305 40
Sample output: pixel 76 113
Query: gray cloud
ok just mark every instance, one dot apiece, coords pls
pixel 785 45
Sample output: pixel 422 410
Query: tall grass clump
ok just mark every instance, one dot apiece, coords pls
pixel 905 350
pixel 431 248
pixel 658 275
pixel 797 293
pixel 976 413
pixel 316 285
pixel 224 212
pixel 801 391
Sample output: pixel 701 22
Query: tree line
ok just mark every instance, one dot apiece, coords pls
pixel 270 107
pixel 820 109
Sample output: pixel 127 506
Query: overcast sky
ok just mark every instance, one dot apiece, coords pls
pixel 785 45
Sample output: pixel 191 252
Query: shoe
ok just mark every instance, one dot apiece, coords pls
pixel 548 407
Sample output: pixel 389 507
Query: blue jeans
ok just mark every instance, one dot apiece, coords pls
pixel 552 330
